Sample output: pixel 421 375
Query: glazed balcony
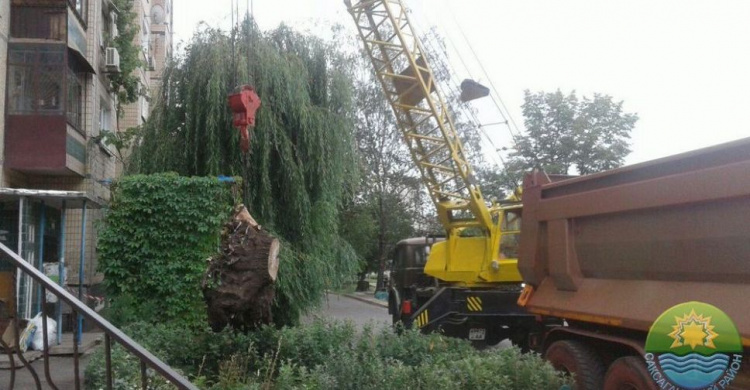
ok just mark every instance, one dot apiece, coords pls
pixel 46 93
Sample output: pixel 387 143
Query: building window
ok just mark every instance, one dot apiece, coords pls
pixel 80 7
pixel 38 23
pixel 108 29
pixel 40 83
pixel 76 83
pixel 105 117
pixel 36 77
pixel 145 108
pixel 145 39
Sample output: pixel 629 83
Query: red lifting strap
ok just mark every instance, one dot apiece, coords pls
pixel 244 105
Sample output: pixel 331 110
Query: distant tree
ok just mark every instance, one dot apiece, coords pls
pixel 564 133
pixel 389 181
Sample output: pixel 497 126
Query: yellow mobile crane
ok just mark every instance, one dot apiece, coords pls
pixel 476 265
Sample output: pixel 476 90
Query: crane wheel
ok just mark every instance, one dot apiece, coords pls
pixel 628 373
pixel 579 360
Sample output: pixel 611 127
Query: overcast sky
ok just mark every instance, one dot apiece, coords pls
pixel 681 65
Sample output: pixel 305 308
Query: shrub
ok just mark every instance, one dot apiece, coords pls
pixel 197 352
pixel 327 355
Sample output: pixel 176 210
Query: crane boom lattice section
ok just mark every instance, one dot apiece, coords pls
pixel 402 67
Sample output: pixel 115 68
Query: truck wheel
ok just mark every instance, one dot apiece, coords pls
pixel 578 359
pixel 628 373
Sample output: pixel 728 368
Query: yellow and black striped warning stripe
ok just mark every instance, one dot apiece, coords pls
pixel 422 319
pixel 474 303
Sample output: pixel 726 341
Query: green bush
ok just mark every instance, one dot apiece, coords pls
pixel 345 369
pixel 153 246
pixel 327 355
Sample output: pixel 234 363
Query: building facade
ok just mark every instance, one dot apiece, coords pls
pixel 56 58
pixel 155 40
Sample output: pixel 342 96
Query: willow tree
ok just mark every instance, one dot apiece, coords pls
pixel 302 161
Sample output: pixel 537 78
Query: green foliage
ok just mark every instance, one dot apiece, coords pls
pixel 153 247
pixel 564 132
pixel 304 277
pixel 126 369
pixel 507 369
pixel 126 83
pixel 122 142
pixel 330 355
pixel 301 164
pixel 358 227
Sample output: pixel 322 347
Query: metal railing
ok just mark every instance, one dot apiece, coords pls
pixel 111 333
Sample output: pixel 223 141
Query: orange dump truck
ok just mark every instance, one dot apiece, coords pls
pixel 648 266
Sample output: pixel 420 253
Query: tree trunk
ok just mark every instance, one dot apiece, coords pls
pixel 380 285
pixel 238 286
pixel 362 283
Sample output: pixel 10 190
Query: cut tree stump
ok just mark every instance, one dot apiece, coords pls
pixel 238 286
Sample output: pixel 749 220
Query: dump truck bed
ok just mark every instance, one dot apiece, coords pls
pixel 621 247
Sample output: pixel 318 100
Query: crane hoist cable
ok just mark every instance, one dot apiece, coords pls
pixel 427 41
pixel 444 60
pixel 509 117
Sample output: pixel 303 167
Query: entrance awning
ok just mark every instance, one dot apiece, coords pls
pixel 53 198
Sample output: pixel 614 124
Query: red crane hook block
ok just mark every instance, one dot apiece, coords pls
pixel 244 105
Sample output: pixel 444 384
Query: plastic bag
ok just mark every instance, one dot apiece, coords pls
pixel 26 336
pixel 37 342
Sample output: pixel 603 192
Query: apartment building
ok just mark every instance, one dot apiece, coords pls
pixel 56 58
pixel 155 40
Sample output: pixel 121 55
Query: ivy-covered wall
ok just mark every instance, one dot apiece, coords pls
pixel 154 244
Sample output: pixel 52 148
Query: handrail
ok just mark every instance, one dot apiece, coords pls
pixel 111 332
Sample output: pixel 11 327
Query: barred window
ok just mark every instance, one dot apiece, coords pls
pixel 36 79
pixel 39 23
pixel 41 83
pixel 75 99
pixel 20 90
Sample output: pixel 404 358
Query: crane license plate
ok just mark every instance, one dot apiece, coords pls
pixel 476 333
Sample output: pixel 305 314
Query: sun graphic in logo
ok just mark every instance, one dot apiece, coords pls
pixel 693 330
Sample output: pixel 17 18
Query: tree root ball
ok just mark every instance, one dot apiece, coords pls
pixel 238 285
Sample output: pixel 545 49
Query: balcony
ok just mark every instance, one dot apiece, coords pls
pixel 45 128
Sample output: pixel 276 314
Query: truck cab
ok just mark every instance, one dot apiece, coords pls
pixel 409 287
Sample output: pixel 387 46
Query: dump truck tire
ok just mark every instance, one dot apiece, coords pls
pixel 628 373
pixel 579 360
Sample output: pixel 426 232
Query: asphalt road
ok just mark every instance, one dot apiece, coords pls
pixel 360 313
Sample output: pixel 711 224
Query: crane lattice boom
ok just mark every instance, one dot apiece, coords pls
pixel 402 67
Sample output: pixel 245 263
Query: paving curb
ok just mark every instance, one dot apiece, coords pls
pixel 372 302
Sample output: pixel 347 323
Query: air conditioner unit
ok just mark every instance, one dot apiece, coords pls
pixel 112 60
